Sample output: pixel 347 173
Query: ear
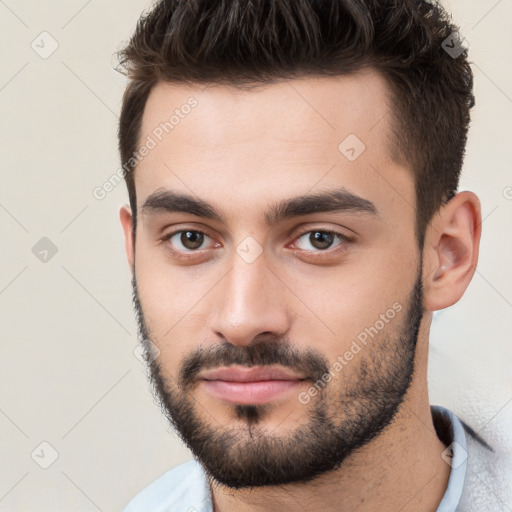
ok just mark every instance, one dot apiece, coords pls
pixel 451 251
pixel 125 216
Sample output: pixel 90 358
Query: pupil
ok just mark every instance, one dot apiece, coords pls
pixel 192 239
pixel 321 240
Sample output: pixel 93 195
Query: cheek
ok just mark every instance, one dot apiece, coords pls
pixel 171 303
pixel 350 303
pixel 168 291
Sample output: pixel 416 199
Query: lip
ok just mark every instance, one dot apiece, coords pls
pixel 249 374
pixel 249 385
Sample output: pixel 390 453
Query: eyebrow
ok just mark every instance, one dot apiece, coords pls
pixel 166 201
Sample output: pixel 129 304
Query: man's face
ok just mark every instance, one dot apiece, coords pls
pixel 286 334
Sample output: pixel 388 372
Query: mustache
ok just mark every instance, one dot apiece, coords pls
pixel 308 362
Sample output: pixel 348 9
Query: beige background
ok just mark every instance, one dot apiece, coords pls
pixel 69 376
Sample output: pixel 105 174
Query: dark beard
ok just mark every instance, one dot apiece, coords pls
pixel 249 456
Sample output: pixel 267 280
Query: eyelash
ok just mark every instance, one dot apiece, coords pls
pixel 341 247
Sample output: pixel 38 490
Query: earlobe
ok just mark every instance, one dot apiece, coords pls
pixel 451 251
pixel 125 216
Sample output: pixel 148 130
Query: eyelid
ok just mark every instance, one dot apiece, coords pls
pixel 178 228
pixel 323 229
pixel 313 226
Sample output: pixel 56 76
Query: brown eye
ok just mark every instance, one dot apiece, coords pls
pixel 319 240
pixel 187 240
pixel 191 239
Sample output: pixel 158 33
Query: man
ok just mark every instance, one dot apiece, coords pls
pixel 294 222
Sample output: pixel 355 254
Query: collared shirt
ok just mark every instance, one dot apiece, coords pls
pixel 450 431
pixel 185 488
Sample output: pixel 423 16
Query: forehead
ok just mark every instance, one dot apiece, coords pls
pixel 305 109
pixel 274 140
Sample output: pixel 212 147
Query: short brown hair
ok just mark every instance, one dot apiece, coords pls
pixel 244 42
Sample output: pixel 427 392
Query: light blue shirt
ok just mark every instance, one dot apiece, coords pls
pixel 185 488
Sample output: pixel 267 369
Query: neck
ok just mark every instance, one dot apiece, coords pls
pixel 401 469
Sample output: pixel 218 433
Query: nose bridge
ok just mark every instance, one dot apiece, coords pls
pixel 249 302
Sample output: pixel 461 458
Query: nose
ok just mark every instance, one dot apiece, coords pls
pixel 248 302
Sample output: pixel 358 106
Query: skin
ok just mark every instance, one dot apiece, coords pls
pixel 243 151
